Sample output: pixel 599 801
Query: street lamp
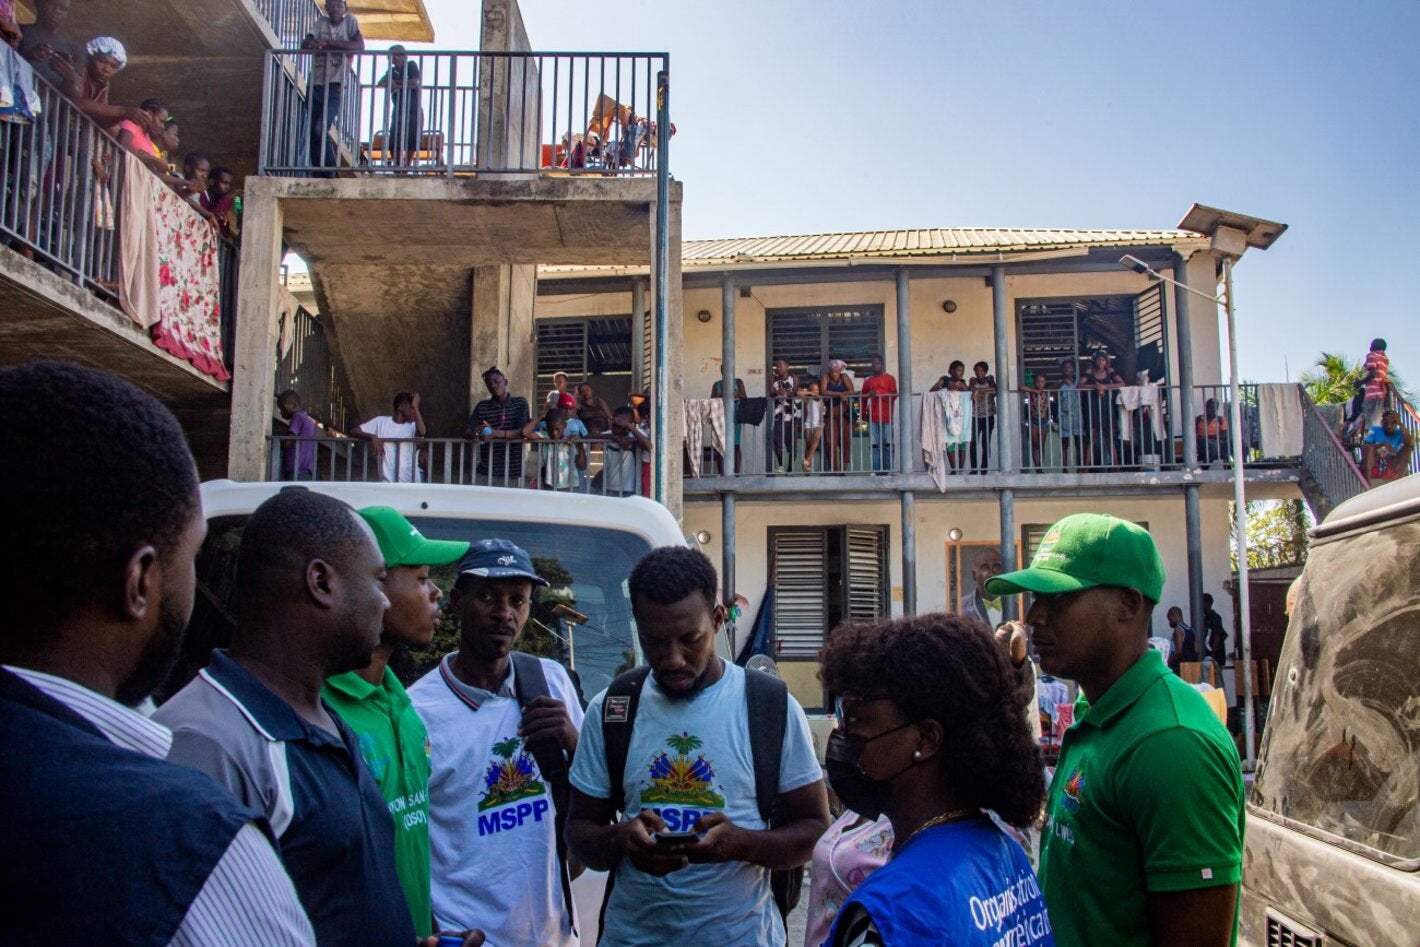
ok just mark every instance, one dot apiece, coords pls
pixel 1231 234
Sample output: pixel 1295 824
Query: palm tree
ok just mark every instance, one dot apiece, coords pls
pixel 507 748
pixel 1333 379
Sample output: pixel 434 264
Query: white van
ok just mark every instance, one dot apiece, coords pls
pixel 595 541
pixel 1332 850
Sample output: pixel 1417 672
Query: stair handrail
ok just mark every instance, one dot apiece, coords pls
pixel 1321 465
pixel 1409 419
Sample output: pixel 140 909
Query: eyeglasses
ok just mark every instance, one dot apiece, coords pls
pixel 841 708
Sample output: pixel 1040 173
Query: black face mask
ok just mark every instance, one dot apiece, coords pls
pixel 859 791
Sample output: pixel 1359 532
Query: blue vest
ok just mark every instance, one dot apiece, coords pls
pixel 103 845
pixel 964 884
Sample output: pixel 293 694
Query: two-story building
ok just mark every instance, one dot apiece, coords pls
pixel 809 540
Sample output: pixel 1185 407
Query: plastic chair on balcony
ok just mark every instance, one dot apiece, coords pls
pixel 430 150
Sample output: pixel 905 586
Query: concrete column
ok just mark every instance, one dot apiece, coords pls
pixel 1193 531
pixel 727 547
pixel 727 366
pixel 1008 543
pixel 904 456
pixel 1005 400
pixel 909 553
pixel 668 366
pixel 258 312
pixel 1184 332
pixel 503 330
pixel 638 335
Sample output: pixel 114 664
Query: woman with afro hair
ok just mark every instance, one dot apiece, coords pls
pixel 932 731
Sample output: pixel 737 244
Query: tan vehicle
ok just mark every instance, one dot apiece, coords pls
pixel 1332 851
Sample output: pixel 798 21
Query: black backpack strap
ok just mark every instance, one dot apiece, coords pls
pixel 768 700
pixel 618 720
pixel 531 683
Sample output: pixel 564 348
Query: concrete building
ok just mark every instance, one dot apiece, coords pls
pixel 816 548
pixel 60 293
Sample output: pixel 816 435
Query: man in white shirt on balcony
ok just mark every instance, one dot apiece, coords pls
pixel 399 462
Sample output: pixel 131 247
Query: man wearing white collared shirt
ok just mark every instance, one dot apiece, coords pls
pixel 111 843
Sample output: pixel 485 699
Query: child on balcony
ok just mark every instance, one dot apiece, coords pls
pixel 560 465
pixel 813 420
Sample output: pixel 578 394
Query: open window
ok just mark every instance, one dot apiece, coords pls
pixel 1132 329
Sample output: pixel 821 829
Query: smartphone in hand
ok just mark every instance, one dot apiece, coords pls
pixel 677 838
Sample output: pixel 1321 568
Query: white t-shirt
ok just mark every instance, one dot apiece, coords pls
pixel 398 465
pixel 492 839
pixel 689 758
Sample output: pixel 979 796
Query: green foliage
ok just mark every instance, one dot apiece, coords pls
pixel 1276 533
pixel 507 748
pixel 1332 379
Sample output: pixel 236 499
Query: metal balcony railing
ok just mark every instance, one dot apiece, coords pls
pixel 60 202
pixel 291 20
pixel 460 113
pixel 1059 432
pixel 595 465
pixel 307 367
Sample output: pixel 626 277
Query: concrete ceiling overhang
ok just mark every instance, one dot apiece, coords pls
pixel 469 222
pixel 405 20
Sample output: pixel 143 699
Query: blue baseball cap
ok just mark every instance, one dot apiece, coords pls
pixel 499 559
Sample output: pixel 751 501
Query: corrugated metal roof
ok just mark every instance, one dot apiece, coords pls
pixel 889 244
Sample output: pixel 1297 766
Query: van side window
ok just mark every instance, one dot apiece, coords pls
pixel 1342 751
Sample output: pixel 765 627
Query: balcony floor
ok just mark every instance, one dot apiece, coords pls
pixel 44 316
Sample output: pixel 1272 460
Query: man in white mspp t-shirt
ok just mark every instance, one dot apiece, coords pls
pixel 492 834
pixel 689 767
pixel 399 461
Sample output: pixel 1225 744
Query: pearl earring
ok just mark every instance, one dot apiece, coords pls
pixel 916 754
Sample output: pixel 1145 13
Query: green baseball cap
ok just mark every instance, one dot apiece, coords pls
pixel 1085 550
pixel 403 545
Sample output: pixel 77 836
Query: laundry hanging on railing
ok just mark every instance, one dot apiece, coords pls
pixel 944 427
pixel 698 413
pixel 170 279
pixel 1279 416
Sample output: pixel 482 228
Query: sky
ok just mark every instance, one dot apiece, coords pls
pixel 806 117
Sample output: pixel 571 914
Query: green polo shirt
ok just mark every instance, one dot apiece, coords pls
pixel 1147 796
pixel 395 747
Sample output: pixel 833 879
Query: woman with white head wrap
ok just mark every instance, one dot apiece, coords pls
pixel 89 88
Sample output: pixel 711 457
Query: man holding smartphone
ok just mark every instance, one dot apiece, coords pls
pixel 692 853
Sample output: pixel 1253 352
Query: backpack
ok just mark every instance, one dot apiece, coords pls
pixel 531 683
pixel 766 698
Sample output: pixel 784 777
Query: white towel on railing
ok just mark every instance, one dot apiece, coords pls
pixel 957 410
pixel 699 412
pixel 1279 409
pixel 933 435
pixel 1131 398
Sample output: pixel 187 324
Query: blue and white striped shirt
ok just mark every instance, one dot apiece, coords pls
pixel 248 898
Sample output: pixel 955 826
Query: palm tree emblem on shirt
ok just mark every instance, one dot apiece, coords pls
pixel 511 776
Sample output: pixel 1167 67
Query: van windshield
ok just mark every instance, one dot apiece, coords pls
pixel 587 567
pixel 1342 750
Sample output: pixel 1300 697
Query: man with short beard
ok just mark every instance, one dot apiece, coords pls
pixel 689 769
pixel 309 603
pixel 106 842
pixel 492 815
